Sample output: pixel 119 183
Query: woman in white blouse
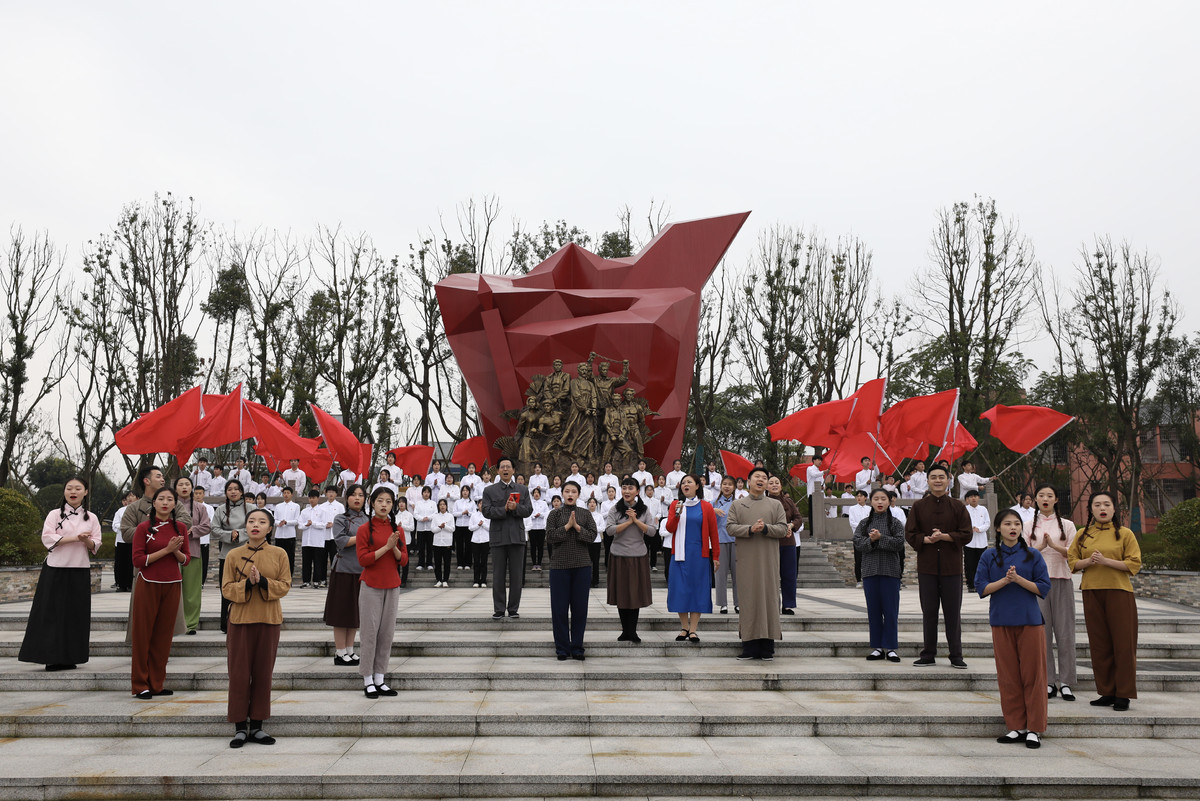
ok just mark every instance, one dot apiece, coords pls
pixel 423 512
pixel 535 526
pixel 595 547
pixel 442 527
pixel 464 505
pixel 405 520
pixel 480 534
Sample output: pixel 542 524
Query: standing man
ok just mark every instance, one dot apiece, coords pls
pixel 200 476
pixel 506 503
pixel 918 482
pixel 864 478
pixel 969 480
pixel 295 478
pixel 241 473
pixel 758 524
pixel 814 480
pixel 938 527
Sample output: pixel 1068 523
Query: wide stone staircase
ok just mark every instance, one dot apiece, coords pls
pixel 486 711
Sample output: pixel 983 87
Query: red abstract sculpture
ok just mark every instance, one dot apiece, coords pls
pixel 646 308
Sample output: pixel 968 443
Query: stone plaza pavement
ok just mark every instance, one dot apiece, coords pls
pixel 485 710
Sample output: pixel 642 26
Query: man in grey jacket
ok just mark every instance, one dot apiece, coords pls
pixel 506 503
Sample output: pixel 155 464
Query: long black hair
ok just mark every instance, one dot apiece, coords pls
pixel 155 523
pixel 639 506
pixel 1062 535
pixel 1116 518
pixel 1000 517
pixel 87 493
pixel 240 487
pixel 191 497
pixel 391 515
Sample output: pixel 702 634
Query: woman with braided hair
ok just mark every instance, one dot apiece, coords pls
pixel 59 625
pixel 1052 535
pixel 160 548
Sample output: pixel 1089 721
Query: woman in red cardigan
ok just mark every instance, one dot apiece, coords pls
pixel 380 546
pixel 695 552
pixel 160 547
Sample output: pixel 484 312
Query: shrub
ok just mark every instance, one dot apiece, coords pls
pixel 20 529
pixel 1179 529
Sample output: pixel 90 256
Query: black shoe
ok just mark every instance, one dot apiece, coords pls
pixel 1012 738
pixel 497 615
pixel 563 657
pixel 746 657
pixel 724 610
pixel 239 739
pixel 1121 705
pixel 260 737
pixel 681 637
pixel 875 655
pixel 341 661
pixel 53 668
pixel 370 691
pixel 1032 740
pixel 737 609
pixel 578 657
pixel 388 691
pixel 191 632
pixel 1051 691
pixel 925 661
pixel 958 663
pixel 1104 700
pixel 1066 693
pixel 788 612
pixel 513 615
pixel 144 695
pixel 354 660
pixel 165 691
pixel 768 657
pixel 892 656
pixel 634 638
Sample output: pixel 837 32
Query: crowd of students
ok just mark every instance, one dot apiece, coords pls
pixel 701 525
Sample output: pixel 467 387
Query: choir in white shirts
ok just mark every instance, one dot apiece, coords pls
pixel 442 526
pixel 475 482
pixel 537 520
pixel 673 479
pixel 610 480
pixel 395 490
pixel 537 481
pixel 316 524
pixel 863 479
pixel 642 477
pixel 423 512
pixel 435 482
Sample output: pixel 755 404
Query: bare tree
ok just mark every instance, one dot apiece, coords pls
pixel 715 353
pixel 836 283
pixel 30 281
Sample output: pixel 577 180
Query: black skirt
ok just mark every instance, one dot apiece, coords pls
pixel 341 601
pixel 60 620
pixel 629 582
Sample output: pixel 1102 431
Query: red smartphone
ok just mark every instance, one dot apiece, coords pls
pixel 515 497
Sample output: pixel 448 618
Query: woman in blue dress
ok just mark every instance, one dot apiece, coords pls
pixel 695 552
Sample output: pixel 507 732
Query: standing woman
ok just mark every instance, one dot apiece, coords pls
pixel 728 566
pixel 537 528
pixel 479 526
pixel 572 530
pixel 258 575
pixel 193 571
pixel 341 602
pixel 381 552
pixel 123 558
pixel 227 529
pixel 787 545
pixel 463 507
pixel 423 512
pixel 879 537
pixel 1052 536
pixel 59 626
pixel 1108 554
pixel 629 563
pixel 442 526
pixel 692 524
pixel 1024 507
pixel 1015 577
pixel 160 546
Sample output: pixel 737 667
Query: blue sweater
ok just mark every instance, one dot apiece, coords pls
pixel 1012 604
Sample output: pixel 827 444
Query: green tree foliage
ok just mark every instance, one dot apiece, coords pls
pixel 20 529
pixel 51 470
pixel 1180 530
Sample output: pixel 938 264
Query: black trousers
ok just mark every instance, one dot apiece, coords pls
pixel 312 568
pixel 425 549
pixel 479 560
pixel 462 545
pixel 123 566
pixel 289 547
pixel 654 545
pixel 971 557
pixel 224 601
pixel 946 591
pixel 594 549
pixel 204 563
pixel 537 544
pixel 441 562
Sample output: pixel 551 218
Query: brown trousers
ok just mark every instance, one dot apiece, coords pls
pixel 250 649
pixel 151 627
pixel 1112 630
pixel 1021 674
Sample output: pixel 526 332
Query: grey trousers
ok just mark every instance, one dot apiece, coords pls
pixel 728 568
pixel 1058 611
pixel 377 628
pixel 508 561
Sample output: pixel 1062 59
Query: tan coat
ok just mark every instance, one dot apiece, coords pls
pixel 758 565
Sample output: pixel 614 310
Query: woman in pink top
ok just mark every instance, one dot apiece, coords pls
pixel 59 625
pixel 1052 535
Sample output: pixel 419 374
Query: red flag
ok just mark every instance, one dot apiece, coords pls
pixel 1023 428
pixel 961 443
pixel 868 406
pixel 846 459
pixel 158 431
pixel 224 424
pixel 276 438
pixel 800 471
pixel 414 460
pixel 317 467
pixel 736 465
pixel 473 450
pixel 925 418
pixel 342 443
pixel 364 460
pixel 823 424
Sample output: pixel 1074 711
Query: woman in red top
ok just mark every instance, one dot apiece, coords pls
pixel 160 546
pixel 380 547
pixel 695 550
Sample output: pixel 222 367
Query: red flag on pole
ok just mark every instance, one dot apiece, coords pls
pixel 868 406
pixel 925 418
pixel 159 430
pixel 223 424
pixel 736 465
pixel 823 424
pixel 470 451
pixel 414 460
pixel 800 471
pixel 961 443
pixel 1023 428
pixel 342 443
pixel 846 459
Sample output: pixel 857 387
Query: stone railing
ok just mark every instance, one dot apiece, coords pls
pixel 18 583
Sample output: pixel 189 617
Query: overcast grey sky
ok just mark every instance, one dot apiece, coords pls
pixel 863 118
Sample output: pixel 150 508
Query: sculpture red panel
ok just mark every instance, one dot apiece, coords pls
pixel 646 308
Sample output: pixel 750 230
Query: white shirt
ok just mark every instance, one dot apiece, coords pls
pixel 815 480
pixel 605 507
pixel 199 478
pixel 673 479
pixel 898 513
pixel 577 478
pixel 857 514
pixel 611 480
pixel 889 486
pixel 395 490
pixel 253 487
pixel 907 491
pixel 287 515
pixel 274 491
pixel 537 520
pixel 395 474
pixel 553 492
pixel 741 493
pixel 919 483
pixel 970 481
pixel 589 491
pixel 462 510
pixel 711 491
pixel 216 486
pixel 1027 515
pixel 442 527
pixel 405 521
pixel 313 536
pixel 331 509
pixel 424 509
pixel 644 478
pixel 863 479
pixel 348 477
pixel 479 526
pixel 212 512
pixel 979 526
pixel 435 481
pixel 538 481
pixel 242 475
pixel 475 482
pixel 116 524
pixel 714 480
pixel 601 519
pixel 413 496
pixel 296 479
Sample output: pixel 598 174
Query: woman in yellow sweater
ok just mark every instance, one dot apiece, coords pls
pixel 1108 554
pixel 256 576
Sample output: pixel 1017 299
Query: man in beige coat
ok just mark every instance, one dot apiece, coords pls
pixel 758 523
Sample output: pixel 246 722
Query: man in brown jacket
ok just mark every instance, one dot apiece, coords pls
pixel 938 527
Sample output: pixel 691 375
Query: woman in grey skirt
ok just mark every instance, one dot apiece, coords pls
pixel 628 523
pixel 341 602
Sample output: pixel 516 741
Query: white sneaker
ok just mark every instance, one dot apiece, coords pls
pixel 420 568
pixel 476 586
pixel 483 586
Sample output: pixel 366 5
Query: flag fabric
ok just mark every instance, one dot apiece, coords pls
pixel 473 450
pixel 823 425
pixel 1023 428
pixel 159 430
pixel 961 443
pixel 414 460
pixel 366 450
pixel 925 418
pixel 276 437
pixel 317 466
pixel 223 424
pixel 845 460
pixel 736 465
pixel 868 406
pixel 342 443
pixel 800 471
